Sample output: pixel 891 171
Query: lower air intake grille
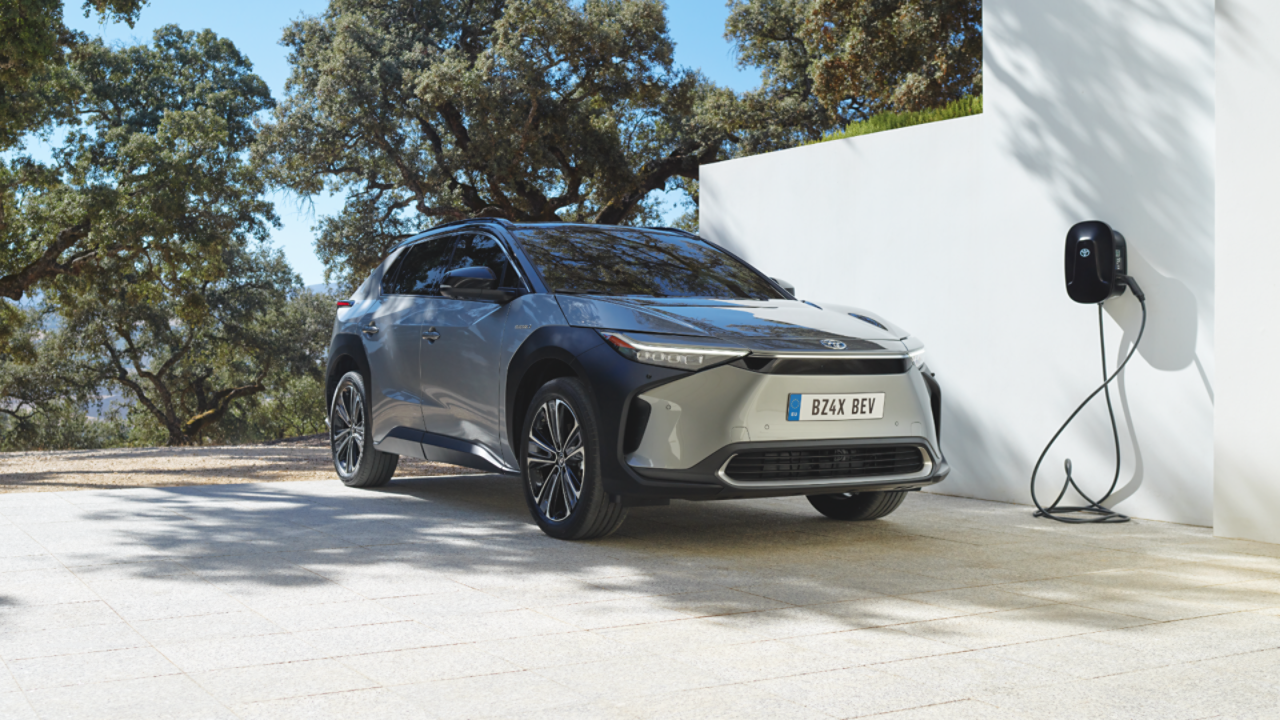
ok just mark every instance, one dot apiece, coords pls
pixel 825 463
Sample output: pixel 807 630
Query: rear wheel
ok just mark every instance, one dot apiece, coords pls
pixel 357 462
pixel 560 458
pixel 858 506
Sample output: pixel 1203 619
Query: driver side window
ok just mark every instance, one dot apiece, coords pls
pixel 484 251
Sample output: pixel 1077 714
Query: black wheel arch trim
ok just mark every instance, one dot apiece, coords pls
pixel 612 382
pixel 343 346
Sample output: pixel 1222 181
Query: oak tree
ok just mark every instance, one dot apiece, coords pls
pixel 35 48
pixel 142 242
pixel 424 110
pixel 154 168
pixel 186 348
pixel 827 63
pixel 896 54
pixel 785 110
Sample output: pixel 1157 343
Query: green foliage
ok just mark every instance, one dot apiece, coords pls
pixel 894 120
pixel 154 173
pixel 421 111
pixel 784 111
pixel 187 357
pixel 246 367
pixel 60 425
pixel 294 407
pixel 895 54
pixel 138 254
pixel 35 46
pixel 45 396
pixel 828 64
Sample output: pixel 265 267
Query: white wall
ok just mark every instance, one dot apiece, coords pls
pixel 1095 109
pixel 1247 494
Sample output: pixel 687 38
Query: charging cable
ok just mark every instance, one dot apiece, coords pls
pixel 1100 513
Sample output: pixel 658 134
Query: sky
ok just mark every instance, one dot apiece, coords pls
pixel 696 27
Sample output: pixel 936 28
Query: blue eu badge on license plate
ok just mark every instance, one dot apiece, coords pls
pixel 793 407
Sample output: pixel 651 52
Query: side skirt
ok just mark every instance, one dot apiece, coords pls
pixel 442 448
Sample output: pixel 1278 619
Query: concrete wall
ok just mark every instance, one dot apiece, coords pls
pixel 1095 109
pixel 1247 494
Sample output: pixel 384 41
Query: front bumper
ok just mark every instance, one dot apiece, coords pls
pixel 713 478
pixel 676 433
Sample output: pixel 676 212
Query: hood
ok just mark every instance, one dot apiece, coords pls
pixel 778 325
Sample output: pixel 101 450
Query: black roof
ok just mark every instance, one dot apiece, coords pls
pixel 508 223
pixel 503 222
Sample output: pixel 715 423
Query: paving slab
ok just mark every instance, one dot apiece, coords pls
pixel 437 597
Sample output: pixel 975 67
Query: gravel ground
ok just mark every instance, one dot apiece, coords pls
pixel 305 458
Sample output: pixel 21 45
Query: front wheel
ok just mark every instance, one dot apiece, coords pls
pixel 858 506
pixel 560 459
pixel 357 462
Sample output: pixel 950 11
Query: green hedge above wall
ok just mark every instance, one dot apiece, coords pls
pixel 963 107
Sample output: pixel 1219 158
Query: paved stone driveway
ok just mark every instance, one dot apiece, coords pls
pixel 437 598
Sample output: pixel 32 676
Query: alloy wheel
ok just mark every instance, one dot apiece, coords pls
pixel 556 460
pixel 348 429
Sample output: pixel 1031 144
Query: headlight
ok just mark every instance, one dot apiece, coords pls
pixel 917 356
pixel 671 352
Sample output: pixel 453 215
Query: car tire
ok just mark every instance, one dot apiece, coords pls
pixel 858 506
pixel 560 465
pixel 354 457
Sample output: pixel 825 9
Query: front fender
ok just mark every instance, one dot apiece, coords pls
pixel 612 382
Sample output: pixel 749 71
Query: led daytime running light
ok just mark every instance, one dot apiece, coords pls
pixel 677 356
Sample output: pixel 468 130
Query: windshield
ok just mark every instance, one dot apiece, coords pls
pixel 629 261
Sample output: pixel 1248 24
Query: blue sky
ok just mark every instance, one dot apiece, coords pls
pixel 697 27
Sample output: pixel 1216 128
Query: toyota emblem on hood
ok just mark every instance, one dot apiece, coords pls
pixel 834 344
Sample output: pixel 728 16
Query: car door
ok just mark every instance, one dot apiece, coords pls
pixel 461 352
pixel 392 336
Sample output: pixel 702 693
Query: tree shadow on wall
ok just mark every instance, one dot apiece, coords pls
pixel 1117 131
pixel 1109 105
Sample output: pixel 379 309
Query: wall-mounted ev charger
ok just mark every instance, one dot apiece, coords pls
pixel 1096 271
pixel 1097 262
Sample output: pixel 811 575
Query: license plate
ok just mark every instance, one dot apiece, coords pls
pixel 855 406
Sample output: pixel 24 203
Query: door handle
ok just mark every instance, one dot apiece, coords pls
pixel 369 329
pixel 430 335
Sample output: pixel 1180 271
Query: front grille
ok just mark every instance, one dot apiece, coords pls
pixel 825 463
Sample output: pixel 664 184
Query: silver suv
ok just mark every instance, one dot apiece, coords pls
pixel 612 367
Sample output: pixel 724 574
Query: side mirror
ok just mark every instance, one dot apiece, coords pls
pixel 474 283
pixel 785 286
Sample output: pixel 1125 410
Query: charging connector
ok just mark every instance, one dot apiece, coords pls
pixel 1096 508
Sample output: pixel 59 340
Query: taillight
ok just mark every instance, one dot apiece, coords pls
pixel 345 303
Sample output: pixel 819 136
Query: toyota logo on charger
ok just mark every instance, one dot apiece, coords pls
pixel 834 344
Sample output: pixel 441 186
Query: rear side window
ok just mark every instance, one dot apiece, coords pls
pixel 420 270
pixel 484 251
